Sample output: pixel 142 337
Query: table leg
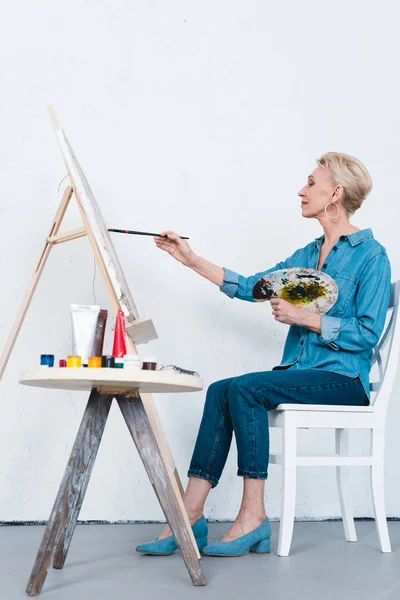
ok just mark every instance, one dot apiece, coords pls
pixel 140 429
pixel 62 521
pixel 80 484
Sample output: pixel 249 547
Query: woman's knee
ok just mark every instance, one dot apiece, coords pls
pixel 240 389
pixel 245 390
pixel 217 391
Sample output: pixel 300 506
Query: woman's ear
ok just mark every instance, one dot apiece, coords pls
pixel 338 192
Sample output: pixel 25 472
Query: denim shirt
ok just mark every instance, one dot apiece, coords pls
pixel 353 326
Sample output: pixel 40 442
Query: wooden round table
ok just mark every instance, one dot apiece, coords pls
pixel 129 388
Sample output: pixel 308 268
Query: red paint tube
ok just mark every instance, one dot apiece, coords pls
pixel 119 347
pixel 98 343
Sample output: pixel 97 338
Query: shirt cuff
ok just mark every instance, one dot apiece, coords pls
pixel 330 328
pixel 230 284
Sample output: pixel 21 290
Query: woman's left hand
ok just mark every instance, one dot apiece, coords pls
pixel 285 312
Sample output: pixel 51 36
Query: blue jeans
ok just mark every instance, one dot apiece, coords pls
pixel 241 405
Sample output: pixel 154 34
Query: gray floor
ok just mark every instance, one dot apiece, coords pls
pixel 102 564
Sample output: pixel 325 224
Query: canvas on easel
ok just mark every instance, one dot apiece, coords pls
pixel 88 203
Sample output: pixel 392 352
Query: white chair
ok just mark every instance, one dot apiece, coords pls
pixel 291 417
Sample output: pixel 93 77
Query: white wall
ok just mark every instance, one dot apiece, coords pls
pixel 203 117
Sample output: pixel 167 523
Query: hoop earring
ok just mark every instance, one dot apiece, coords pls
pixel 338 210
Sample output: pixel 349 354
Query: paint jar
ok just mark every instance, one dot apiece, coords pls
pixel 132 361
pixel 94 362
pixel 149 363
pixel 62 362
pixel 74 362
pixel 119 363
pixel 47 360
pixel 107 362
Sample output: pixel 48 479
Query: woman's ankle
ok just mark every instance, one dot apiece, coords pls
pixel 251 512
pixel 194 513
pixel 194 508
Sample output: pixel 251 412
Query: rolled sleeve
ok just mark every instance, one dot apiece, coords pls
pixel 230 283
pixel 330 328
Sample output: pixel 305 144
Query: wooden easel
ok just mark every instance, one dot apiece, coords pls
pixel 139 330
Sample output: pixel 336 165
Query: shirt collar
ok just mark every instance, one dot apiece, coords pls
pixel 354 238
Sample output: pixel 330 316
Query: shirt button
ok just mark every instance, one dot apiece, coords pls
pixel 335 248
pixel 324 266
pixel 301 342
pixel 342 237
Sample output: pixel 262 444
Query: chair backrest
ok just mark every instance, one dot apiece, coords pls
pixel 387 363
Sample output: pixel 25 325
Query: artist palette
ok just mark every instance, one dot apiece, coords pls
pixel 310 289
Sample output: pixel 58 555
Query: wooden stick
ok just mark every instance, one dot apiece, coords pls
pixel 67 236
pixel 53 117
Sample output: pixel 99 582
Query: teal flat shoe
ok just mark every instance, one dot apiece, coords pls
pixel 168 545
pixel 257 541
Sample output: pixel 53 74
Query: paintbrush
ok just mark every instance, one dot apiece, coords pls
pixel 142 233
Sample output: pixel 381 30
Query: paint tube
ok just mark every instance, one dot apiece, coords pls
pixel 98 343
pixel 119 346
pixel 84 321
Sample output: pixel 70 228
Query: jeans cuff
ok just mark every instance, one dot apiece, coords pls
pixel 202 475
pixel 252 474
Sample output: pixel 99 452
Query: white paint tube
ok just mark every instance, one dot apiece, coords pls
pixel 84 321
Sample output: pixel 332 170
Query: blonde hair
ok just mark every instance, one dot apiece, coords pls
pixel 350 173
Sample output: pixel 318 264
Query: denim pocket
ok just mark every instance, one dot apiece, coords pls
pixel 347 283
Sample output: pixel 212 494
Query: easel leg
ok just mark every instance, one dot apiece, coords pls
pixel 62 521
pixel 55 226
pixel 139 426
pixel 154 418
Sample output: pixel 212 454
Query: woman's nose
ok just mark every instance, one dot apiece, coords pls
pixel 301 193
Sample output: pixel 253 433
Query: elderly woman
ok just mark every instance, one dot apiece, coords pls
pixel 326 357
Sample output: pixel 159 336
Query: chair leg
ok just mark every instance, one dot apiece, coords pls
pixel 288 502
pixel 378 488
pixel 155 463
pixel 343 483
pixel 63 517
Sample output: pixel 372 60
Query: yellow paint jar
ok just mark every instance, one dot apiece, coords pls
pixel 94 362
pixel 74 361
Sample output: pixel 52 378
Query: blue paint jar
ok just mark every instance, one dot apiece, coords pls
pixel 47 360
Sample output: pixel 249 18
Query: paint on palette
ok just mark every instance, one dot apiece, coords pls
pixel 312 290
pixel 303 293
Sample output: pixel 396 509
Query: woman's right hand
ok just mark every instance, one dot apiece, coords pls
pixel 175 246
